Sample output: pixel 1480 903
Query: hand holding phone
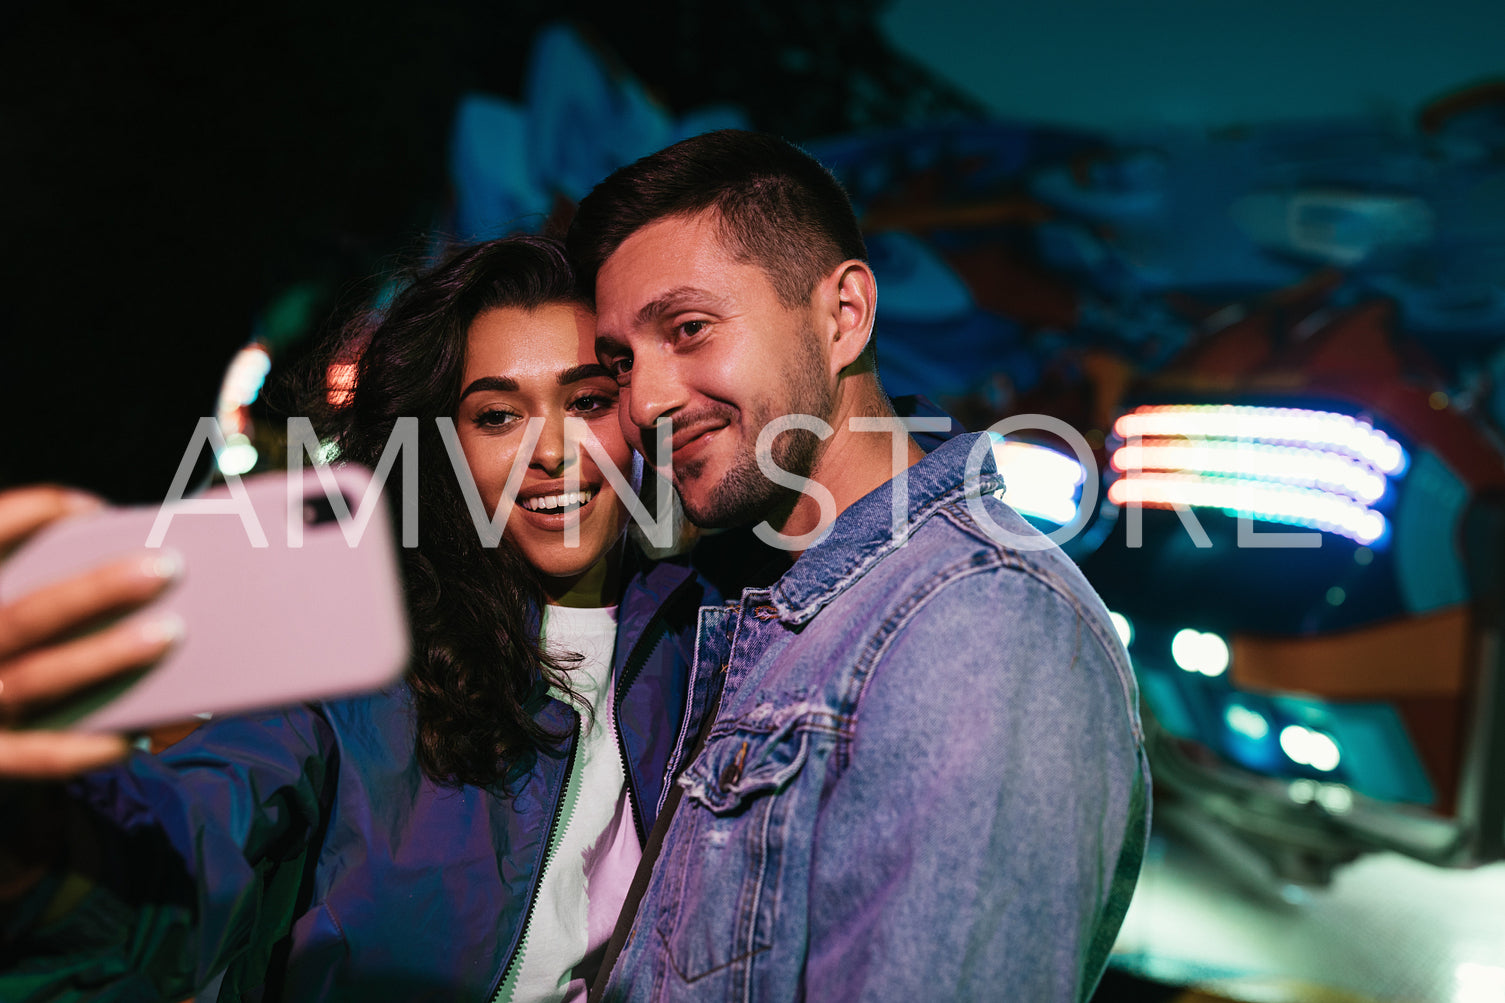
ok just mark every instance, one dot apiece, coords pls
pixel 40 660
pixel 252 620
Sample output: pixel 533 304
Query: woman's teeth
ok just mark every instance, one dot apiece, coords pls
pixel 566 501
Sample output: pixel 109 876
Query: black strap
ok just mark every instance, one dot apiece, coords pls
pixel 651 849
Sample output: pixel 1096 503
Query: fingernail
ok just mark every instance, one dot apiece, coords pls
pixel 165 629
pixel 78 503
pixel 166 565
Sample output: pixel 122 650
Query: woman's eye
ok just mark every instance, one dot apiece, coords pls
pixel 495 418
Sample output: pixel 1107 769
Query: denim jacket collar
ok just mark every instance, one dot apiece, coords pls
pixel 863 533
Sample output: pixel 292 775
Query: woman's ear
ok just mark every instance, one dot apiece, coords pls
pixel 856 303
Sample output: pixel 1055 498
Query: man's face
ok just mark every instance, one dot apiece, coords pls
pixel 696 336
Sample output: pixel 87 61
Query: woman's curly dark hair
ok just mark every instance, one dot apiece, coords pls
pixel 477 657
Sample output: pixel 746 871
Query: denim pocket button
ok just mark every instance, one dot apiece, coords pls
pixel 734 769
pixel 732 772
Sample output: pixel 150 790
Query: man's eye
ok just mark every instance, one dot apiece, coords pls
pixel 620 367
pixel 592 403
pixel 691 328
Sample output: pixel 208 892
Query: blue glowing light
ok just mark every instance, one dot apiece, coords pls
pixel 1038 481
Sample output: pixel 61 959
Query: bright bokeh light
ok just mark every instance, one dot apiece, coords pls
pixel 1039 481
pixel 1200 651
pixel 233 419
pixel 1303 468
pixel 238 456
pixel 339 379
pixel 1247 722
pixel 1309 748
pixel 1335 799
pixel 1304 791
pixel 242 384
pixel 1123 626
pixel 246 375
pixel 1476 983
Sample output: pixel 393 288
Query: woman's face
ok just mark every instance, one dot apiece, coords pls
pixel 527 364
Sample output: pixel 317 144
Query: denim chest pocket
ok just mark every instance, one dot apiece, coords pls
pixel 748 814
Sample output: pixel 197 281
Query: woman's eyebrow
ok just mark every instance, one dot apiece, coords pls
pixel 506 384
pixel 587 371
pixel 501 384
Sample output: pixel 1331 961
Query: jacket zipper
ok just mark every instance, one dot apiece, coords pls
pixel 636 659
pixel 543 867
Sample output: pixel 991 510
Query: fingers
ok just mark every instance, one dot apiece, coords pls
pixel 46 755
pixel 56 671
pixel 25 510
pixel 70 604
pixel 33 672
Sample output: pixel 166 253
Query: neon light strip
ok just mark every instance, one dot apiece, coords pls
pixel 1285 464
pixel 1272 503
pixel 1319 429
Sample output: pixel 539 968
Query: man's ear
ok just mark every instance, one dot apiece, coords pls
pixel 854 304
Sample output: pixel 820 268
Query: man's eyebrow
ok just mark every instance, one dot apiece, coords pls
pixel 674 299
pixel 501 384
pixel 589 370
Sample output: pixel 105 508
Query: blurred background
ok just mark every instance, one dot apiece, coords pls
pixel 1246 260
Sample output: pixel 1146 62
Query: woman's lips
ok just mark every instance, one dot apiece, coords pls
pixel 557 516
pixel 560 501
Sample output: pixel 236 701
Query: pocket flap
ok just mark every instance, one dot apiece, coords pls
pixel 747 762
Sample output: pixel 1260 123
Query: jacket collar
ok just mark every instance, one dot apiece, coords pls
pixel 648 587
pixel 864 533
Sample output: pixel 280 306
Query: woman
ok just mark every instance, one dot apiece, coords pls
pixel 470 835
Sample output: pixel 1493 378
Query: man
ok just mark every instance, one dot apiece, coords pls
pixel 924 779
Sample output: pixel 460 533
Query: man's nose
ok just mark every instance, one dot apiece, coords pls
pixel 657 391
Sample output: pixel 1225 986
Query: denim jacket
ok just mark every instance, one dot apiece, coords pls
pixel 306 850
pixel 925 781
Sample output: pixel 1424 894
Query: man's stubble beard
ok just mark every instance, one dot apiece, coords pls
pixel 744 496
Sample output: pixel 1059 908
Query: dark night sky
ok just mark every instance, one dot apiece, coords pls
pixel 167 171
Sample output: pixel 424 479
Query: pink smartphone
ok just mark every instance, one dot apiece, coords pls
pixel 264 625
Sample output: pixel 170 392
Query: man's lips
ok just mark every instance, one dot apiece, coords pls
pixel 687 443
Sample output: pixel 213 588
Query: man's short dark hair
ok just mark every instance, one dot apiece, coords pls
pixel 776 206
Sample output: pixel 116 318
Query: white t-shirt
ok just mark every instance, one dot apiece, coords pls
pixel 595 850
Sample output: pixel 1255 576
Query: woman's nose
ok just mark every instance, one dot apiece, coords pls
pixel 554 451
